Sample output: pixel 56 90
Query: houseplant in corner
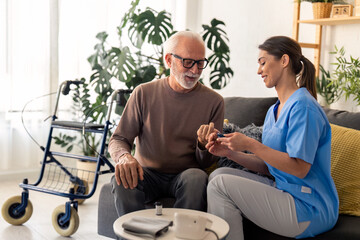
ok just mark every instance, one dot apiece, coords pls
pixel 346 76
pixel 329 92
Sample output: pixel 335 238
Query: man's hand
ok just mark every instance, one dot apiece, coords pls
pixel 128 171
pixel 204 132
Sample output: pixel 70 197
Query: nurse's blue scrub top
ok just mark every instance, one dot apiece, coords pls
pixel 303 131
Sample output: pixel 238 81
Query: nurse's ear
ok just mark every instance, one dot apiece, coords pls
pixel 285 60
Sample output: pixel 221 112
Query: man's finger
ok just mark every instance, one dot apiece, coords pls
pixel 201 133
pixel 202 130
pixel 210 129
pixel 128 175
pixel 117 175
pixel 134 175
pixel 141 172
pixel 209 145
pixel 123 178
pixel 212 137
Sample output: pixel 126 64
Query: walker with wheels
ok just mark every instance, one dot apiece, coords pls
pixel 64 181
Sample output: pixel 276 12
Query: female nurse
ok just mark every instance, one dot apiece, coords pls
pixel 302 200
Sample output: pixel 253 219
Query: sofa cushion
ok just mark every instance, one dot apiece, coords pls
pixel 345 167
pixel 244 111
pixel 346 228
pixel 343 118
pixel 251 131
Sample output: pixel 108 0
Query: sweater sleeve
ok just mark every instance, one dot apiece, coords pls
pixel 204 157
pixel 128 128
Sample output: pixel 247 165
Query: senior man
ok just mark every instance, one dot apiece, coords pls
pixel 169 118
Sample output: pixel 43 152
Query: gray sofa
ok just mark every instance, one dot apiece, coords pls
pixel 242 112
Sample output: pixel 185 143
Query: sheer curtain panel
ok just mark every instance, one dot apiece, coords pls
pixel 24 74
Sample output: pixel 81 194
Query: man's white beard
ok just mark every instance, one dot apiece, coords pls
pixel 183 83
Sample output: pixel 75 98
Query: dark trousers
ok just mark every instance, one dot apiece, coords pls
pixel 187 187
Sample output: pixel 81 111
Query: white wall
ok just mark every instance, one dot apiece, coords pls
pixel 250 23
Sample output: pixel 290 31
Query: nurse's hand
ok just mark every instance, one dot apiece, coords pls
pixel 236 142
pixel 216 148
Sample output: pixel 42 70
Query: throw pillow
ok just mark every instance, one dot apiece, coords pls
pixel 252 131
pixel 345 167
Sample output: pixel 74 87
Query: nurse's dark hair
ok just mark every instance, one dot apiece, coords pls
pixel 278 46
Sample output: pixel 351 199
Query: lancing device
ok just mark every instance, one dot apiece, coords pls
pixel 220 135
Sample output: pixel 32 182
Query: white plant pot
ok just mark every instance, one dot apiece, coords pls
pixel 86 170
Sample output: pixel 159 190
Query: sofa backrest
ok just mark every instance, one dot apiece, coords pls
pixel 243 111
pixel 343 118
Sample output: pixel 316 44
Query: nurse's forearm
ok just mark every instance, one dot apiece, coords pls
pixel 279 160
pixel 250 161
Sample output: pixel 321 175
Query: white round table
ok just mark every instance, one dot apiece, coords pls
pixel 219 225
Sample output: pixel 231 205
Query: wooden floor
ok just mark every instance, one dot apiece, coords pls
pixel 39 226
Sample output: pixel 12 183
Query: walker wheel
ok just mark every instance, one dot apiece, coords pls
pixel 76 190
pixel 12 217
pixel 68 228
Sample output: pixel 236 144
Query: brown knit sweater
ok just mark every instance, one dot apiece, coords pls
pixel 164 123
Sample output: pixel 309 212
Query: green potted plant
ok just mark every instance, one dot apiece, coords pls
pixel 327 90
pixel 346 76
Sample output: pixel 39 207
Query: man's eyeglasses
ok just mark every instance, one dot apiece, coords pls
pixel 189 63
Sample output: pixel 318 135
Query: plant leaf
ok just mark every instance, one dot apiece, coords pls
pixel 122 64
pixel 216 37
pixel 152 28
pixel 143 75
pixel 216 40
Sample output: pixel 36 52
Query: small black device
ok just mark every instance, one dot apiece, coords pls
pixel 220 135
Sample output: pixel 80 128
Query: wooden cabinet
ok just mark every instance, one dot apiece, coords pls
pixel 318 33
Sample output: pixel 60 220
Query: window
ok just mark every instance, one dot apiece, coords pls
pixel 43 43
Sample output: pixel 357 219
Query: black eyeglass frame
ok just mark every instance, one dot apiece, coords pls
pixel 206 62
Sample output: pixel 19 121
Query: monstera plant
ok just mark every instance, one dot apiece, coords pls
pixel 135 64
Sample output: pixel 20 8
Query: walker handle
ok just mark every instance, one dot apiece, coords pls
pixel 66 89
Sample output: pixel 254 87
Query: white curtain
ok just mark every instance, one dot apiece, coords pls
pixel 43 43
pixel 24 74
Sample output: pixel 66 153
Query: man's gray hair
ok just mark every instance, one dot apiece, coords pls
pixel 171 44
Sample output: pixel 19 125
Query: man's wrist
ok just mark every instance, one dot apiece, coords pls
pixel 121 156
pixel 201 146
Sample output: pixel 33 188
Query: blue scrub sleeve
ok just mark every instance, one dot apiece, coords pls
pixel 305 129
